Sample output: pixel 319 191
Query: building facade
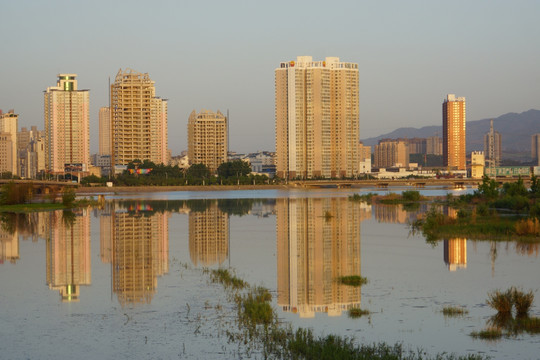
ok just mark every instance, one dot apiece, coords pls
pixel 392 153
pixel 207 139
pixel 317 118
pixel 138 120
pixel 67 125
pixel 535 148
pixel 477 164
pixel 9 123
pixel 492 146
pixel 105 140
pixel 434 145
pixel 454 126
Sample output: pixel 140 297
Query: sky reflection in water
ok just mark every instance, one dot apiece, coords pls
pixel 122 276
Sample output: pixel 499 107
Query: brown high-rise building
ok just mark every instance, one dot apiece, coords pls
pixel 105 131
pixel 535 148
pixel 207 139
pixel 318 241
pixel 454 124
pixel 317 113
pixel 391 153
pixel 138 120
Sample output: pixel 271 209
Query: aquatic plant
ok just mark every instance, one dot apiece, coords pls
pixel 522 302
pixel 491 333
pixel 224 276
pixel 530 226
pixel 501 301
pixel 357 313
pixel 362 198
pixel 353 280
pixel 454 311
pixel 254 307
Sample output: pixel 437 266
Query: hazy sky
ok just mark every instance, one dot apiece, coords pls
pixel 222 55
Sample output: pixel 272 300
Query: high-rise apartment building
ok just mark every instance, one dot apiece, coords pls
pixel 67 125
pixel 492 146
pixel 207 139
pixel 9 125
pixel 434 145
pixel 105 131
pixel 139 119
pixel 317 114
pixel 392 153
pixel 535 148
pixel 454 123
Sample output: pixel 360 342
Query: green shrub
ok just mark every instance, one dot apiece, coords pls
pixel 411 195
pixel 353 280
pixel 68 197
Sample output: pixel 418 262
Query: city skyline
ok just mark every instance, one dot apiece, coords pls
pixel 407 53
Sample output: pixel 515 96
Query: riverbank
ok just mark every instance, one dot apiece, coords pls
pixel 137 189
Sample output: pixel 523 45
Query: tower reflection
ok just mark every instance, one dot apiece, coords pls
pixel 139 252
pixel 455 253
pixel 208 235
pixel 318 241
pixel 68 252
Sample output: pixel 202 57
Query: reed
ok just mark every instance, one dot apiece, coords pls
pixel 454 311
pixel 501 301
pixel 491 333
pixel 522 302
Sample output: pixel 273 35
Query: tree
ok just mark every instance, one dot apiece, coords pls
pixel 488 188
pixel 235 168
pixel 198 171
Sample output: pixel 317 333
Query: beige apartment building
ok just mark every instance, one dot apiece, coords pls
pixel 434 145
pixel 392 153
pixel 317 115
pixel 138 120
pixel 454 125
pixel 105 140
pixel 9 125
pixel 67 125
pixel 207 139
pixel 478 163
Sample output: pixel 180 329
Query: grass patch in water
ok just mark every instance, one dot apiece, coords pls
pixel 355 313
pixel 352 280
pixel 224 276
pixel 255 306
pixel 454 311
pixel 491 333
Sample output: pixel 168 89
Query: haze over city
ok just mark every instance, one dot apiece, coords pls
pixel 222 55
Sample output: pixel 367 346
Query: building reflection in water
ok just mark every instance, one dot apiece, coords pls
pixel 208 235
pixel 68 252
pixel 318 240
pixel 139 251
pixel 455 254
pixel 9 245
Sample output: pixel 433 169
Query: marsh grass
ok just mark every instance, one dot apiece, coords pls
pixel 522 302
pixel 454 311
pixel 501 301
pixel 355 313
pixel 491 333
pixel 255 308
pixel 352 280
pixel 529 324
pixel 224 276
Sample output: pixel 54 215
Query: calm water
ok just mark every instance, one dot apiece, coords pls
pixel 125 281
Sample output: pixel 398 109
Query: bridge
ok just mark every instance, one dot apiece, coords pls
pixel 43 187
pixel 385 183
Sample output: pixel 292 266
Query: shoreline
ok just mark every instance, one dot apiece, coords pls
pixel 134 189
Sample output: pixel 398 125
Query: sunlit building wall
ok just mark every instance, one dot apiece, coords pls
pixel 207 139
pixel 455 254
pixel 68 253
pixel 317 118
pixel 67 125
pixel 105 131
pixel 454 124
pixel 318 240
pixel 208 236
pixel 139 119
pixel 9 123
pixel 391 153
pixel 477 164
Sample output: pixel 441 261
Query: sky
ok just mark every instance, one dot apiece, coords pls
pixel 221 55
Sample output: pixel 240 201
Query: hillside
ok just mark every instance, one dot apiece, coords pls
pixel 516 130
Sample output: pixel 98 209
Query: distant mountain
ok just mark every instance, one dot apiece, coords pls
pixel 516 130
